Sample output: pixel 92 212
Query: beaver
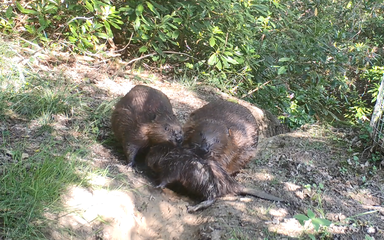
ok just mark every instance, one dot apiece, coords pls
pixel 200 177
pixel 142 118
pixel 223 131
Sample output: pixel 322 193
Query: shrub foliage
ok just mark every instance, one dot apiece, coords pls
pixel 304 60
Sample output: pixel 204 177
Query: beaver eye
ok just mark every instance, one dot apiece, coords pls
pixel 201 134
pixel 166 128
pixel 217 140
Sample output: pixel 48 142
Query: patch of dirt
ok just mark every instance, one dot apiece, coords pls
pixel 305 167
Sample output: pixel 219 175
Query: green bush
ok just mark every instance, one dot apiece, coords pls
pixel 83 23
pixel 300 59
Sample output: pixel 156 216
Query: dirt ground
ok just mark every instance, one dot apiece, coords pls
pixel 311 167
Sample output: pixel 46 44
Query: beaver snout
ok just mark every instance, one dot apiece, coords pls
pixel 205 148
pixel 179 140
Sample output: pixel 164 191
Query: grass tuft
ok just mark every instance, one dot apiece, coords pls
pixel 31 187
pixel 44 141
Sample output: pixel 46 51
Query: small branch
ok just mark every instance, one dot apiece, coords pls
pixel 33 44
pixel 73 19
pixel 226 41
pixel 185 54
pixel 254 90
pixel 155 53
pixel 142 57
pixel 129 42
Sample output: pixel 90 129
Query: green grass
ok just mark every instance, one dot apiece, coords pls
pixel 37 162
pixel 30 188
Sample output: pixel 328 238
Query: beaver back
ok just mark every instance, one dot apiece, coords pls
pixel 144 117
pixel 200 177
pixel 223 131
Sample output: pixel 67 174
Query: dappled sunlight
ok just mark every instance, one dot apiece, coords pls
pixel 278 213
pixel 263 176
pixel 88 209
pixel 364 197
pixel 303 167
pixel 289 227
pixel 100 181
pixel 296 189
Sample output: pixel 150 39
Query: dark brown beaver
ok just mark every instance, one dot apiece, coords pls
pixel 223 131
pixel 200 177
pixel 142 118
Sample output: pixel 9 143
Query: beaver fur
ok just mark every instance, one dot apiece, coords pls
pixel 200 177
pixel 143 118
pixel 223 131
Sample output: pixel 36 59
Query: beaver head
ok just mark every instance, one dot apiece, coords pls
pixel 168 131
pixel 209 138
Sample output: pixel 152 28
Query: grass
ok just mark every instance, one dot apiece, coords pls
pixel 30 188
pixel 36 167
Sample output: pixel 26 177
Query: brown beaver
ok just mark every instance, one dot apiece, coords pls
pixel 203 178
pixel 223 131
pixel 142 118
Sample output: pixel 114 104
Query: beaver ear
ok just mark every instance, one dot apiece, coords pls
pixel 152 116
pixel 229 132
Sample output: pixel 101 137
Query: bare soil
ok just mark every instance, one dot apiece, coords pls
pixel 311 167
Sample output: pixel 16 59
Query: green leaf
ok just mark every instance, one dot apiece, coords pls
pixel 102 35
pixel 115 25
pixel 25 11
pixel 219 65
pixel 224 61
pixel 311 214
pixel 311 236
pixel 143 49
pixel 29 11
pixel 137 23
pixel 213 59
pixel 158 49
pixel 139 10
pixel 18 5
pixel 301 217
pixel 322 221
pixel 175 34
pixel 177 20
pixel 72 39
pixel 50 9
pixel 171 25
pixel 231 60
pixel 285 59
pixel 30 29
pixel 216 30
pixel 189 65
pixel 162 37
pixel 316 226
pixel 281 70
pixel 212 41
pixel 9 12
pixel 240 60
pixel 89 6
pixel 150 6
pixel 43 22
pixel 108 28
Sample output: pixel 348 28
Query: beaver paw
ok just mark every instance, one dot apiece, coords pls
pixel 161 185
